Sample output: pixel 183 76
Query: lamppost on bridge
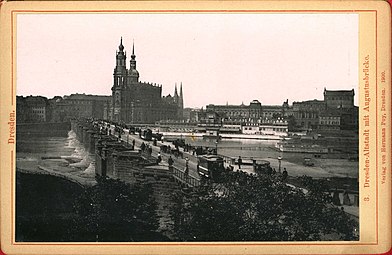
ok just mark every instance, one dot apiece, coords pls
pixel 216 147
pixel 186 172
pixel 280 163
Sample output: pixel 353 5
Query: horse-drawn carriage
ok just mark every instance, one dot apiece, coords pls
pixel 262 167
pixel 210 167
pixel 173 151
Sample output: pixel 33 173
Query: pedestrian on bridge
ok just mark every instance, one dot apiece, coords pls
pixel 284 175
pixel 170 161
pixel 159 159
pixel 239 162
pixel 143 146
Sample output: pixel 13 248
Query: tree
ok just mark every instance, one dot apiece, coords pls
pixel 112 210
pixel 258 208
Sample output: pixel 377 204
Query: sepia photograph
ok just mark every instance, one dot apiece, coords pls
pixel 187 127
pixel 195 128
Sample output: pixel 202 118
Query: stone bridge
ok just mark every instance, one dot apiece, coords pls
pixel 116 157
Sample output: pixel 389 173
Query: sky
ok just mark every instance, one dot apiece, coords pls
pixel 219 58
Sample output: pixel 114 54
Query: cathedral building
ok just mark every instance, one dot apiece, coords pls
pixel 140 102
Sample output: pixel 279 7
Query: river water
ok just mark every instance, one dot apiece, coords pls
pixel 58 155
pixel 265 150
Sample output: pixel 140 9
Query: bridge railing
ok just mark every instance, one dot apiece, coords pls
pixel 184 178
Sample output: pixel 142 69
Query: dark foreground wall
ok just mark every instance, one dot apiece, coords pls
pixel 44 207
pixel 54 209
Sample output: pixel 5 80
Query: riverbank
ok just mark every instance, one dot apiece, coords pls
pixel 56 155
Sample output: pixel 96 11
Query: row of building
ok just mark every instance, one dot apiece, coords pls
pixel 136 102
pixel 59 109
pixel 132 101
pixel 336 112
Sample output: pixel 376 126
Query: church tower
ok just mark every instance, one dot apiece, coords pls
pixel 119 83
pixel 133 73
pixel 120 70
pixel 140 102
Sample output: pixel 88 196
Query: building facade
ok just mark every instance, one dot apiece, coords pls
pixel 252 119
pixel 237 113
pixel 306 113
pixel 335 112
pixel 140 102
pixel 78 106
pixel 329 120
pixel 32 109
pixel 336 99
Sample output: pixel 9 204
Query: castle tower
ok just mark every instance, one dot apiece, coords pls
pixel 133 73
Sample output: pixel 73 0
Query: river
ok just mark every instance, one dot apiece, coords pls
pixel 55 154
pixel 324 167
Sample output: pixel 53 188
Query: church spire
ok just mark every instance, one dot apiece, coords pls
pixel 120 58
pixel 133 51
pixel 180 104
pixel 133 58
pixel 175 91
pixel 121 46
pixel 181 99
pixel 133 73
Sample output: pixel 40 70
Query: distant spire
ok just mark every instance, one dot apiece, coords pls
pixel 133 50
pixel 175 90
pixel 132 62
pixel 181 102
pixel 121 47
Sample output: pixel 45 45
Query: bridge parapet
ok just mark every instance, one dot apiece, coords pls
pixel 184 178
pixel 117 159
